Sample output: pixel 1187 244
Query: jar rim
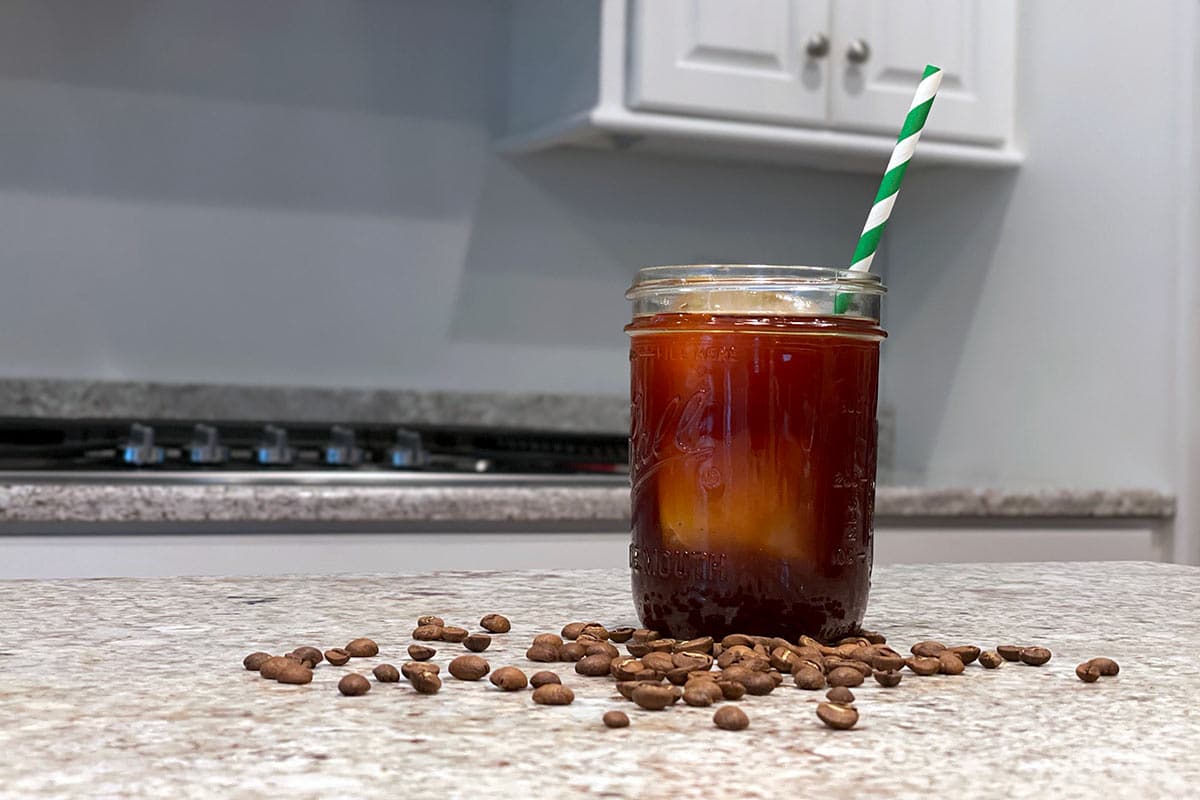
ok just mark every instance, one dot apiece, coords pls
pixel 726 276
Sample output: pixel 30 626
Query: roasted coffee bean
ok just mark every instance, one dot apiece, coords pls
pixel 510 679
pixel 645 635
pixel 572 630
pixel 430 619
pixel 601 647
pixel 620 635
pixel 737 639
pixel 736 673
pixel 294 672
pixel 654 697
pixel 254 661
pixel 594 666
pixel 625 668
pixel 709 687
pixel 783 658
pixel 844 676
pixel 428 633
pixel 426 682
pixel 549 639
pixel 874 637
pixel 966 653
pixel 456 635
pixel 949 664
pixel 272 666
pixel 661 663
pixel 495 623
pixel 419 652
pixel 678 676
pixel 860 666
pixel 477 642
pixel 889 679
pixel 586 640
pixel 924 665
pixel 807 676
pixel 553 694
pixel 1034 656
pixel 571 651
pixel 616 719
pixel 776 677
pixel 544 677
pixel 469 668
pixel 638 649
pixel 295 659
pixel 703 644
pixel 542 652
pixel 731 690
pixel 836 716
pixel 887 662
pixel 927 649
pixel 1009 652
pixel 692 660
pixel 362 648
pixel 731 718
pixel 1107 666
pixel 808 641
pixel 990 659
pixel 696 695
pixel 840 694
pixel 1087 672
pixel 733 654
pixel 847 650
pixel 386 673
pixel 758 683
pixel 596 630
pixel 353 684
pixel 336 656
pixel 311 655
pixel 412 669
pixel 662 646
pixel 625 688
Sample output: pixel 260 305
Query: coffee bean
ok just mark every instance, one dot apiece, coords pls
pixel 844 676
pixel 310 655
pixel 620 635
pixel 731 690
pixel 294 672
pixel 386 673
pixel 692 660
pixel 477 642
pixel 510 679
pixel 469 668
pixel 1009 652
pixel 295 659
pixel 495 623
pixel 836 716
pixel 542 652
pixel 990 659
pixel 731 718
pixel 353 684
pixel 1087 672
pixel 645 635
pixel 949 663
pixel 888 679
pixel 595 630
pixel 696 695
pixel 426 682
pixel 662 645
pixel 625 688
pixel 601 647
pixel 412 669
pixel 758 683
pixel 703 644
pixel 776 677
pixel 709 687
pixel 419 652
pixel 539 679
pixel 924 665
pixel 572 630
pixel 594 666
pixel 662 663
pixel 430 619
pixel 456 635
pixel 840 694
pixel 887 662
pixel 616 719
pixel 737 639
pixel 625 669
pixel 571 651
pixel 860 666
pixel 254 661
pixel 654 697
pixel 807 676
pixel 428 633
pixel 336 656
pixel 553 694
pixel 874 637
pixel 362 648
pixel 1107 666
pixel 638 649
pixel 1035 656
pixel 678 676
pixel 271 667
pixel 784 658
pixel 966 653
pixel 549 639
pixel 927 649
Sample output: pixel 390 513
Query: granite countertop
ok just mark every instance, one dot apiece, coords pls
pixel 135 688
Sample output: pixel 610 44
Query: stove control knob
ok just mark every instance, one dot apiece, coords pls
pixel 206 447
pixel 273 447
pixel 342 450
pixel 407 452
pixel 139 450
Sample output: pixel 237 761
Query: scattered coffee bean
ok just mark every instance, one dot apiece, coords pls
pixel 924 665
pixel 539 679
pixel 426 682
pixel 840 694
pixel 595 630
pixel 808 676
pixel 1088 672
pixel 927 649
pixel 616 719
pixel 553 694
pixel 294 672
pixel 594 666
pixel 966 653
pixel 310 655
pixel 620 635
pixel 654 697
pixel 272 666
pixel 412 669
pixel 572 630
pixel 662 645
pixel 601 647
pixel 495 623
pixel 510 679
pixel 362 648
pixel 477 642
pixel 542 652
pixel 758 683
pixel 990 659
pixel 731 718
pixel 887 662
pixel 625 688
pixel 625 669
pixel 692 660
pixel 696 695
pixel 845 676
pixel 430 619
pixel 1107 666
pixel 784 658
pixel 336 656
pixel 419 652
pixel 1009 652
pixel 254 661
pixel 711 687
pixel 548 639
pixel 702 644
pixel 887 679
pixel 1034 656
pixel 776 677
pixel 456 635
pixel 731 690
pixel 662 663
pixel 428 633
pixel 469 668
pixel 837 716
pixel 571 651
pixel 353 684
pixel 737 639
pixel 949 664
pixel 386 673
pixel 645 635
pixel 678 676
pixel 874 637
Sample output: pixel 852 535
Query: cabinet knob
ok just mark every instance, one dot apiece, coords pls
pixel 858 52
pixel 817 46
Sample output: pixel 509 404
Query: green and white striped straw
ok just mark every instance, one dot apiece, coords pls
pixel 889 187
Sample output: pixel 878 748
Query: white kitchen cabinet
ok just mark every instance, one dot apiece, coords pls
pixel 819 82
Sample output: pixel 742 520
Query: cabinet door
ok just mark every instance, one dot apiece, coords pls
pixel 744 60
pixel 973 41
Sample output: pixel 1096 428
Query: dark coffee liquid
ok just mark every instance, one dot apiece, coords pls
pixel 753 450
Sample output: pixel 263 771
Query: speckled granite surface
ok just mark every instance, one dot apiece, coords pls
pixel 38 502
pixel 135 688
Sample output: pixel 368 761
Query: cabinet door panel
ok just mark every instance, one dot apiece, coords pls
pixel 733 60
